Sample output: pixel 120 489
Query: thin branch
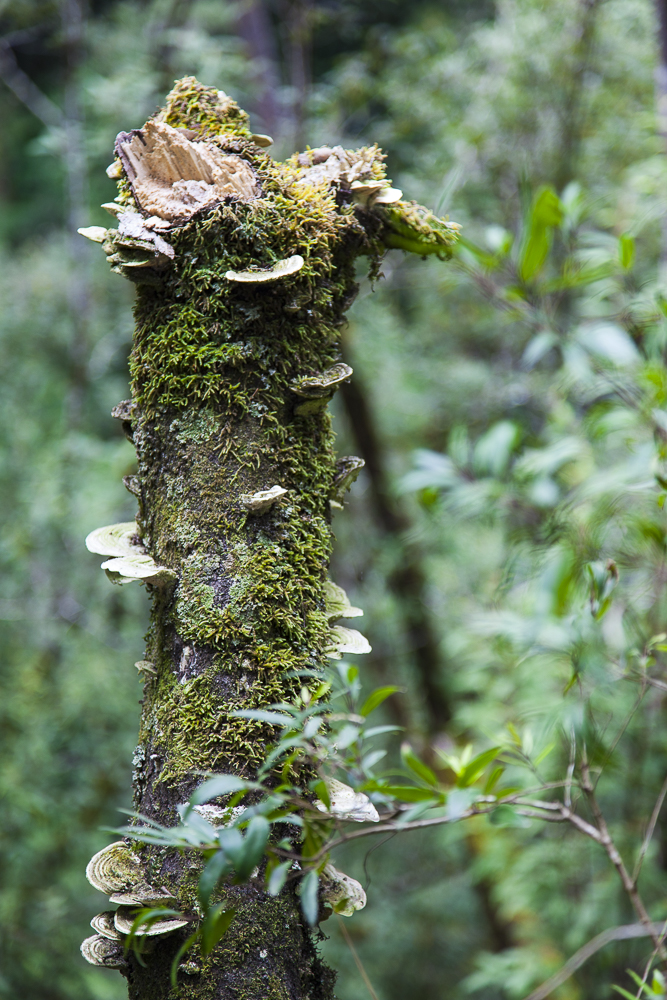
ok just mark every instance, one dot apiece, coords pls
pixel 617 861
pixel 624 933
pixel 649 831
pixel 357 960
pixel 570 769
pixel 28 93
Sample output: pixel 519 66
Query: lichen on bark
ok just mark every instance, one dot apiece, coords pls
pixel 215 417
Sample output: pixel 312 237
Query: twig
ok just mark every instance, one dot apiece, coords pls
pixel 570 769
pixel 615 858
pixel 649 831
pixel 623 933
pixel 358 963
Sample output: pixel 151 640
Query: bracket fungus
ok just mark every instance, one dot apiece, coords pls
pixel 173 177
pixel 347 471
pixel 114 869
pixel 348 804
pixel 317 390
pixel 142 895
pixel 370 193
pixel 103 924
pixel 263 141
pixel 100 950
pixel 125 917
pixel 347 640
pixel 341 892
pixel 259 503
pixel 130 560
pixel 337 603
pixel 281 269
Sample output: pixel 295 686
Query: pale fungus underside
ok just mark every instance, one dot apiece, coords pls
pixel 244 269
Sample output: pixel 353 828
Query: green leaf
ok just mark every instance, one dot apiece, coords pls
pixel 493 779
pixel 376 698
pixel 278 877
pixel 418 767
pixel 547 212
pixel 308 894
pixel 477 765
pixel 220 784
pixel 250 853
pixel 214 927
pixel 406 793
pixel 275 718
pixel 322 792
pixel 215 868
pixel 626 250
pixel 187 944
pixel 624 993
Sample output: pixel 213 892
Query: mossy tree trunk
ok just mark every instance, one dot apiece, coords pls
pixel 217 415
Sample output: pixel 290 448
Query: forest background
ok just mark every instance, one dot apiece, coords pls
pixel 506 539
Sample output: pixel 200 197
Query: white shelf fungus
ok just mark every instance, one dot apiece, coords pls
pixel 259 503
pixel 97 234
pixel 348 804
pixel 130 560
pixel 103 924
pixel 341 892
pixel 347 471
pixel 389 196
pixel 114 869
pixel 346 640
pixel 100 950
pixel 124 919
pixel 337 603
pixel 173 177
pixel 282 269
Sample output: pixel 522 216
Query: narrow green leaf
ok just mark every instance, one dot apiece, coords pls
pixel 477 765
pixel 626 250
pixel 407 793
pixel 417 766
pixel 215 868
pixel 277 878
pixel 308 894
pixel 220 784
pixel 376 698
pixel 214 927
pixel 187 944
pixel 275 718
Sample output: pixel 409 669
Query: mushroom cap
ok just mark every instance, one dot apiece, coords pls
pixel 125 917
pixel 113 539
pixel 316 386
pixel 104 925
pixel 97 234
pixel 261 140
pixel 347 640
pixel 342 892
pixel 337 603
pixel 138 567
pixel 114 869
pixel 348 804
pixel 282 269
pixel 389 196
pixel 258 503
pixel 142 894
pixel 102 951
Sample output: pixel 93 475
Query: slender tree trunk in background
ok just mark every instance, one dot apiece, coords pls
pixel 231 372
pixel 573 112
pixel 408 579
pixel 255 28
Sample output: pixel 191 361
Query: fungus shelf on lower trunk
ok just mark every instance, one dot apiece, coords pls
pixel 244 268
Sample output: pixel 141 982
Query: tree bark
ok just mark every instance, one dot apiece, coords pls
pixel 220 413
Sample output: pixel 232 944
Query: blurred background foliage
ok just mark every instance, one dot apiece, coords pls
pixel 507 539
